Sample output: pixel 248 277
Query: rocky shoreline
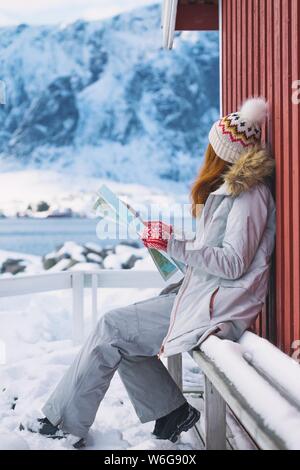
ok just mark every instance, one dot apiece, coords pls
pixel 71 255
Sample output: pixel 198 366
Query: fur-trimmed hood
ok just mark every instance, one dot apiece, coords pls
pixel 252 168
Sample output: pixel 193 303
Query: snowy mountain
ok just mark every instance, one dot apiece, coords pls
pixel 103 98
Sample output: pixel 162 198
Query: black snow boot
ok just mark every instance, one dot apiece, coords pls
pixel 44 427
pixel 172 425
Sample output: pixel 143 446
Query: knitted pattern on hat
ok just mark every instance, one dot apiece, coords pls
pixel 238 132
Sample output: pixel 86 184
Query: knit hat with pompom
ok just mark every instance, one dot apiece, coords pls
pixel 236 133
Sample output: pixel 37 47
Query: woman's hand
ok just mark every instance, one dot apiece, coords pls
pixel 156 235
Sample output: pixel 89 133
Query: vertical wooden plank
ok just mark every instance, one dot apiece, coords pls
pixel 267 48
pixel 229 56
pixel 221 58
pixel 295 130
pixel 175 369
pixel 78 306
pixel 260 88
pixel 286 127
pixel 224 56
pixel 262 25
pixel 215 418
pixel 257 44
pixel 270 48
pixel 245 52
pixel 250 47
pixel 278 149
pixel 234 41
pixel 257 325
pixel 270 52
pixel 239 52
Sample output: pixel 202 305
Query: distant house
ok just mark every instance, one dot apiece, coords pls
pixel 260 55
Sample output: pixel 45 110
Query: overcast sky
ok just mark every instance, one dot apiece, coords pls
pixel 63 11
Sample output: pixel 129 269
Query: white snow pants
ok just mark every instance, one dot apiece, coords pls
pixel 128 340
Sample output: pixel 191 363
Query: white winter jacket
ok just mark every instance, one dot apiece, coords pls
pixel 228 261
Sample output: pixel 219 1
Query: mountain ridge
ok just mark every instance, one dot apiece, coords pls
pixel 103 98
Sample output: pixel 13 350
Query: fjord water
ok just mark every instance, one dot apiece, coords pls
pixel 41 236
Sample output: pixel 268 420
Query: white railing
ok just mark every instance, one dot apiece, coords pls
pixel 78 281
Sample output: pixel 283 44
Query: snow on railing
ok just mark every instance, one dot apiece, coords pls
pixel 245 376
pixel 78 281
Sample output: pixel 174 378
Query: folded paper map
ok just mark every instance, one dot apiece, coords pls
pixel 110 207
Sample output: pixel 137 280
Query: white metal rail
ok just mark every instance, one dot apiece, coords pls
pixel 78 281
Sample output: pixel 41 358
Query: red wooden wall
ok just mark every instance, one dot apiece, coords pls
pixel 197 15
pixel 261 55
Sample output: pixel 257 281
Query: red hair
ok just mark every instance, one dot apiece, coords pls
pixel 210 178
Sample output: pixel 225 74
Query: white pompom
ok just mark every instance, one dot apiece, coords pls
pixel 254 110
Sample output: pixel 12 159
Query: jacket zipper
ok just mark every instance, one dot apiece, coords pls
pixel 175 313
pixel 179 299
pixel 211 303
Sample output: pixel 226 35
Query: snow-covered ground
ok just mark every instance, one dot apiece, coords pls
pixel 36 332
